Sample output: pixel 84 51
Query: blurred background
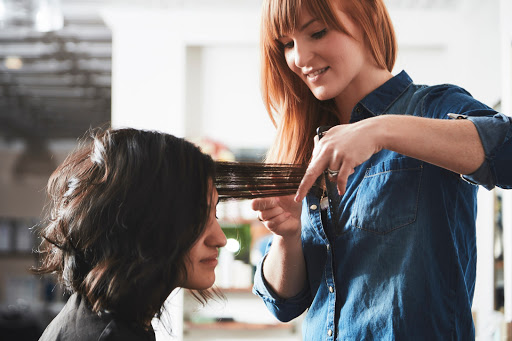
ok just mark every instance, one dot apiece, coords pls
pixel 191 68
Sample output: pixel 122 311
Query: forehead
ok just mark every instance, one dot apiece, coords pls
pixel 213 196
pixel 306 21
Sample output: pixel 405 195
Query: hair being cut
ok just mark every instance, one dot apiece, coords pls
pixel 249 180
pixel 292 107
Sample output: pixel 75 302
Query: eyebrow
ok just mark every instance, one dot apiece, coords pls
pixel 303 27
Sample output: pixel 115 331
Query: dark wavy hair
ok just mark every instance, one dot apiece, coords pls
pixel 125 208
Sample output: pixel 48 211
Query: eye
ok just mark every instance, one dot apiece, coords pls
pixel 319 34
pixel 287 45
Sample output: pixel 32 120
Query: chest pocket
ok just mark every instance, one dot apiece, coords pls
pixel 387 197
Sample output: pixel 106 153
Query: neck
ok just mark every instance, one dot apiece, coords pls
pixel 358 89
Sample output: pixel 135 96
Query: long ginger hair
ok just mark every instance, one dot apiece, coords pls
pixel 292 107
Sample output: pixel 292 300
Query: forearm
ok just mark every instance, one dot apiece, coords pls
pixel 451 144
pixel 284 268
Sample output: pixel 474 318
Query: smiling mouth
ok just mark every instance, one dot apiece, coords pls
pixel 317 72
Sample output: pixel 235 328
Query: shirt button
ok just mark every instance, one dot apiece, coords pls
pixel 358 109
pixel 313 207
pixel 329 332
pixel 331 289
pixel 328 247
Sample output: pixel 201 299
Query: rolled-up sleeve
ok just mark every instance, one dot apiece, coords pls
pixel 450 101
pixel 496 135
pixel 284 310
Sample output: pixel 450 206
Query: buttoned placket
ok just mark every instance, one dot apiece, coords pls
pixel 315 216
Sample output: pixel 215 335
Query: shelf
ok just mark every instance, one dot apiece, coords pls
pixel 236 290
pixel 233 325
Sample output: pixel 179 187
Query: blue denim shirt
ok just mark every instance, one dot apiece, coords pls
pixel 396 257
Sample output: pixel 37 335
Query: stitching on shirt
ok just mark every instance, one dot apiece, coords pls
pixel 406 223
pixel 392 170
pixel 397 97
pixel 309 214
pixel 383 112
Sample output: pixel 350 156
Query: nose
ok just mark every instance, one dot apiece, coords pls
pixel 217 237
pixel 302 53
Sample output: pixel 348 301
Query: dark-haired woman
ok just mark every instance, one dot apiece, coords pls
pixel 132 217
pixel 380 242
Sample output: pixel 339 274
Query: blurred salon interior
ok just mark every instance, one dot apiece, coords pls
pixel 191 68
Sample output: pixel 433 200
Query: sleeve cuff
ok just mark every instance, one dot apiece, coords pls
pixel 262 289
pixel 482 176
pixel 493 131
pixel 283 309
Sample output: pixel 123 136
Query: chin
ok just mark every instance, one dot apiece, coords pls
pixel 201 284
pixel 322 95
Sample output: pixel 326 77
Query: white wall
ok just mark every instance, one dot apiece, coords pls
pixel 225 103
pixel 455 45
pixel 189 73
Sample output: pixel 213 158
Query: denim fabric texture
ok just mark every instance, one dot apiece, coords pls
pixel 396 258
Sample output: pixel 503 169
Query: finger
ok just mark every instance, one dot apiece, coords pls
pixel 271 213
pixel 261 204
pixel 332 173
pixel 313 171
pixel 316 149
pixel 277 221
pixel 342 178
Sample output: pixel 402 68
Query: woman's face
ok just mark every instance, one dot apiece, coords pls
pixel 203 254
pixel 330 62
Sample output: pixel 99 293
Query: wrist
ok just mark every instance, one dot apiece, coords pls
pixel 381 131
pixel 288 239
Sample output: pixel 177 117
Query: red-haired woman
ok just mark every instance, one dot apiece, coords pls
pixel 382 246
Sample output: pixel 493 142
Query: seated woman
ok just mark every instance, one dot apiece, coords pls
pixel 132 217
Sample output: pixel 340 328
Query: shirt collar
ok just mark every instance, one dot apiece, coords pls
pixel 379 100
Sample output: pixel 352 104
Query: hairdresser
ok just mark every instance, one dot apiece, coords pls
pixel 132 216
pixel 379 241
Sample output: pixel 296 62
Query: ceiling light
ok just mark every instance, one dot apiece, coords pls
pixel 13 63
